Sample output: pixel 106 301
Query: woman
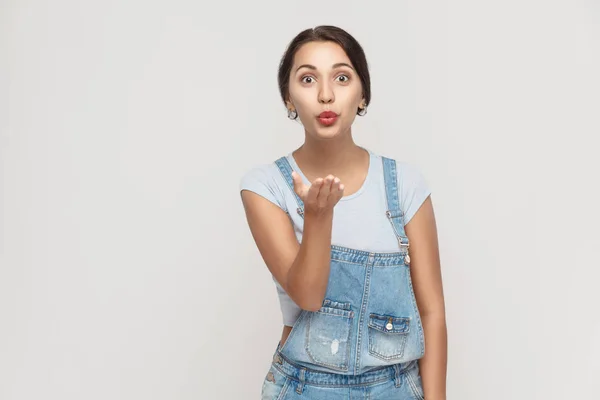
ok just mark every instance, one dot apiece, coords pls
pixel 358 306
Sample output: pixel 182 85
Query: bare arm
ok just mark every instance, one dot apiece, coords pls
pixel 427 282
pixel 301 269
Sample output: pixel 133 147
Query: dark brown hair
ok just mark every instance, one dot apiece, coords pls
pixel 325 33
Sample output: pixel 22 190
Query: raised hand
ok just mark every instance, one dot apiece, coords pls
pixel 321 196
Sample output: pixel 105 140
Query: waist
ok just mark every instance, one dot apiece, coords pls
pixel 310 376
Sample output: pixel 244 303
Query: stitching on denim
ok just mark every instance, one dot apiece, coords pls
pixel 402 336
pixel 348 351
pixel 413 386
pixel 284 389
pixel 285 162
pixel 363 310
pixel 292 332
pixel 399 263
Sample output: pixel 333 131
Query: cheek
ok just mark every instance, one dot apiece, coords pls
pixel 304 113
pixel 300 98
pixel 351 107
pixel 305 105
pixel 351 95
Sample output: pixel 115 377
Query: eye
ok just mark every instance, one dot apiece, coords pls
pixel 343 78
pixel 307 79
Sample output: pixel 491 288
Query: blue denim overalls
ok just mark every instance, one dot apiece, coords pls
pixel 368 332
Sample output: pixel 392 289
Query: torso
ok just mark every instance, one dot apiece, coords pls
pixel 360 223
pixel 352 184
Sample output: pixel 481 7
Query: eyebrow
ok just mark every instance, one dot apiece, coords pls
pixel 336 65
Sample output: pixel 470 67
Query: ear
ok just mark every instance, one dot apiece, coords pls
pixel 289 105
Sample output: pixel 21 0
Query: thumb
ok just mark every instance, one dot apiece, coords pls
pixel 297 182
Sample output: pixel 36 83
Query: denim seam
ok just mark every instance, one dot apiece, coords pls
pixel 284 389
pixel 383 357
pixel 400 263
pixel 292 332
pixel 363 311
pixel 364 384
pixel 350 318
pixel 323 385
pixel 346 261
pixel 284 167
pixel 366 253
pixel 413 387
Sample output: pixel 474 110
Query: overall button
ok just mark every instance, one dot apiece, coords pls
pixel 389 325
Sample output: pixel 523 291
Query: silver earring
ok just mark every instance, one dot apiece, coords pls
pixel 292 114
pixel 362 111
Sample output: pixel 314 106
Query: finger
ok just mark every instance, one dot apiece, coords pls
pixel 313 191
pixel 336 194
pixel 325 190
pixel 335 189
pixel 299 186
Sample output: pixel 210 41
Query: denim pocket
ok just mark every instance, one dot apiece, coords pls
pixel 387 336
pixel 328 335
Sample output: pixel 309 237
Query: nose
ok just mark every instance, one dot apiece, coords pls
pixel 326 95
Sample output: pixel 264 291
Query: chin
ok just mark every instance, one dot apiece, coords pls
pixel 328 135
pixel 328 132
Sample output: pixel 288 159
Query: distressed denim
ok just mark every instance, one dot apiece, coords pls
pixel 287 380
pixel 365 340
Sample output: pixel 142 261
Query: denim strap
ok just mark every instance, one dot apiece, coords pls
pixel 286 171
pixel 393 212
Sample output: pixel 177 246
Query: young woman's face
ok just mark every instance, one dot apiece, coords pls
pixel 323 79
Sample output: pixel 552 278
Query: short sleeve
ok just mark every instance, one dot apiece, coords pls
pixel 262 181
pixel 413 189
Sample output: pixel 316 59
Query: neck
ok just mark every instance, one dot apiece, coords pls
pixel 322 157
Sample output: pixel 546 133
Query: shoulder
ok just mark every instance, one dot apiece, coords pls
pixel 404 169
pixel 406 172
pixel 265 180
pixel 409 174
pixel 413 187
pixel 262 172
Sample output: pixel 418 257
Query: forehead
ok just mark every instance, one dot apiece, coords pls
pixel 320 54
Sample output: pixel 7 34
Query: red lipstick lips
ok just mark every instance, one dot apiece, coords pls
pixel 327 117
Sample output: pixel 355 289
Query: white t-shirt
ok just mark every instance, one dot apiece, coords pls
pixel 359 220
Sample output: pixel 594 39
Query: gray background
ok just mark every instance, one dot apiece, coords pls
pixel 127 270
